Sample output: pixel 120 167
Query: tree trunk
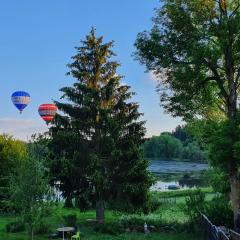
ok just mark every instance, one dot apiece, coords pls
pixel 235 186
pixel 68 202
pixel 100 211
pixel 32 234
pixel 235 200
pixel 232 116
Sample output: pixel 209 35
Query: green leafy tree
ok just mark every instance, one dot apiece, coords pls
pixel 164 146
pixel 12 154
pixel 219 181
pixel 181 133
pixel 100 134
pixel 194 48
pixel 30 192
pixel 195 152
pixel 69 163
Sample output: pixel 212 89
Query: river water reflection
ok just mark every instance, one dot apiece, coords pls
pixel 178 173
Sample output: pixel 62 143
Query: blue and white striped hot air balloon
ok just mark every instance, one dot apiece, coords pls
pixel 20 99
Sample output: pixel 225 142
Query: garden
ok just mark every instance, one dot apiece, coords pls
pixel 168 220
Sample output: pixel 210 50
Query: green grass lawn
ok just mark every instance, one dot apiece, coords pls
pixel 129 236
pixel 171 212
pixel 88 232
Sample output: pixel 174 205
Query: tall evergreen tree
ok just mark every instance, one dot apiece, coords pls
pixel 100 133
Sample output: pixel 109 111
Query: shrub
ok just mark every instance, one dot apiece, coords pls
pixel 154 203
pixel 194 204
pixel 14 227
pixel 84 202
pixel 219 180
pixel 112 228
pixel 70 219
pixel 180 193
pixel 136 222
pixel 155 222
pixel 43 228
pixel 219 212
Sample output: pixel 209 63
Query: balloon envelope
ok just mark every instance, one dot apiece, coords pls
pixel 47 112
pixel 20 99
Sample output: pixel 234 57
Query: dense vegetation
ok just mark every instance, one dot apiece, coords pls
pixel 176 145
pixel 168 220
pixel 12 154
pixel 193 48
pixel 30 194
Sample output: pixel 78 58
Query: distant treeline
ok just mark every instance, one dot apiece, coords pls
pixel 175 145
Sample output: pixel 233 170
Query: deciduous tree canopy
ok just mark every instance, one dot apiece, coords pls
pixel 12 154
pixel 194 48
pixel 178 145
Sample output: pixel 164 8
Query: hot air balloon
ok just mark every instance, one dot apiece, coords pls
pixel 20 99
pixel 47 112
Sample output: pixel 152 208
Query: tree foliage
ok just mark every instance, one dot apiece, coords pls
pixel 194 48
pixel 12 154
pixel 164 146
pixel 30 192
pixel 178 145
pixel 97 138
pixel 181 133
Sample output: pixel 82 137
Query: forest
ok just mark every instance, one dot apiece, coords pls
pixel 175 145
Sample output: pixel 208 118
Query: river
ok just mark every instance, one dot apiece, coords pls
pixel 182 174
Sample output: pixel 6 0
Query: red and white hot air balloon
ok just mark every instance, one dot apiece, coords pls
pixel 47 112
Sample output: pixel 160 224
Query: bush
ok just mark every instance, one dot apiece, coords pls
pixel 155 222
pixel 153 203
pixel 83 202
pixel 70 219
pixel 112 228
pixel 14 227
pixel 194 205
pixel 219 180
pixel 136 222
pixel 219 212
pixel 181 193
pixel 43 228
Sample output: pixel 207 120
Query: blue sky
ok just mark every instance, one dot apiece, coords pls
pixel 37 41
